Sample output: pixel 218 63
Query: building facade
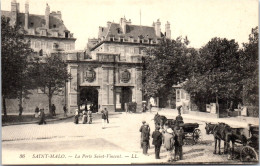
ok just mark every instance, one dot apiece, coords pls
pixel 109 73
pixel 47 34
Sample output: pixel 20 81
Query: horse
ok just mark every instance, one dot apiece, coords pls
pixel 159 120
pixel 222 131
pixel 218 130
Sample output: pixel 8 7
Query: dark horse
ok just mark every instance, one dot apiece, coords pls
pixel 159 120
pixel 218 130
pixel 222 131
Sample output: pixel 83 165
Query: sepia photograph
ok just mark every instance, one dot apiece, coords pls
pixel 130 82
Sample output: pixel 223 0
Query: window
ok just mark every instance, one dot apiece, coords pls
pixel 54 25
pixel 31 24
pixel 182 94
pixel 66 34
pixel 178 95
pixel 102 29
pixel 136 50
pixel 150 41
pixel 111 39
pixel 121 40
pixel 37 44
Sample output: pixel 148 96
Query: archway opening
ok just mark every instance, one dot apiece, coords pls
pixel 89 98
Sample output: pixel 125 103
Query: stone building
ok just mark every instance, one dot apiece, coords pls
pixel 109 73
pixel 47 34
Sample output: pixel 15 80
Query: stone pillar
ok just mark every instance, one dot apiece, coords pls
pixel 72 93
pixel 138 93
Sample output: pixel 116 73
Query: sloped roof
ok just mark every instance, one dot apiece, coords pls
pixel 38 22
pixel 134 31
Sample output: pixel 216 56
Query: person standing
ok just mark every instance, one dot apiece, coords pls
pixel 179 136
pixel 157 141
pixel 42 117
pixel 106 113
pixel 84 117
pixel 37 110
pixel 103 116
pixel 53 109
pixel 126 107
pixel 145 138
pixel 169 143
pixel 179 119
pixel 76 117
pixel 89 114
pixel 65 110
pixel 141 129
pixel 150 107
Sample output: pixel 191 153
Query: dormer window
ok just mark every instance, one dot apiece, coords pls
pixel 66 34
pixel 140 41
pixel 111 39
pixel 150 41
pixel 121 39
pixel 31 24
pixel 102 29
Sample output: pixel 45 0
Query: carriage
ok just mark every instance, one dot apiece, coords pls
pixel 191 130
pixel 250 151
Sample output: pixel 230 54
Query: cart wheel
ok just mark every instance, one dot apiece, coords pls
pixel 196 136
pixel 248 154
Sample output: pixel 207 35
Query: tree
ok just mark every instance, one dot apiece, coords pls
pixel 216 73
pixel 52 75
pixel 15 50
pixel 164 66
pixel 249 68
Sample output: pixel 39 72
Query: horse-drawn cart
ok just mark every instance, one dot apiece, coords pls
pixel 190 130
pixel 250 151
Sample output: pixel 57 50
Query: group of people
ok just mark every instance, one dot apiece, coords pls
pixel 87 116
pixel 147 107
pixel 171 138
pixel 39 113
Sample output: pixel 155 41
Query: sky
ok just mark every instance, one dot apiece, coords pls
pixel 199 20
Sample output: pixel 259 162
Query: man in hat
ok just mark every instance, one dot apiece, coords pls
pixel 141 129
pixel 145 137
pixel 179 136
pixel 179 119
pixel 169 143
pixel 157 141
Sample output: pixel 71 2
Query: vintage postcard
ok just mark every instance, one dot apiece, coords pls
pixel 129 82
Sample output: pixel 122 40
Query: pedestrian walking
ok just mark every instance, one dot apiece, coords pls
pixel 42 117
pixel 169 143
pixel 145 137
pixel 89 114
pixel 179 136
pixel 84 117
pixel 103 116
pixel 37 110
pixel 65 110
pixel 76 117
pixel 53 109
pixel 157 141
pixel 106 113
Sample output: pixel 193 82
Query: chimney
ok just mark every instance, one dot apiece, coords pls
pixel 26 21
pixel 14 12
pixel 123 24
pixel 108 24
pixel 47 16
pixel 158 28
pixel 168 30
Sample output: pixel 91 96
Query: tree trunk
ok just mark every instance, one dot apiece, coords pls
pixel 20 102
pixel 4 105
pixel 50 110
pixel 50 97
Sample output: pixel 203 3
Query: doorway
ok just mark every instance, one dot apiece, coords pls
pixel 89 97
pixel 126 96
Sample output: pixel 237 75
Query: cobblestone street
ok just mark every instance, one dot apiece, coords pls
pixel 75 142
